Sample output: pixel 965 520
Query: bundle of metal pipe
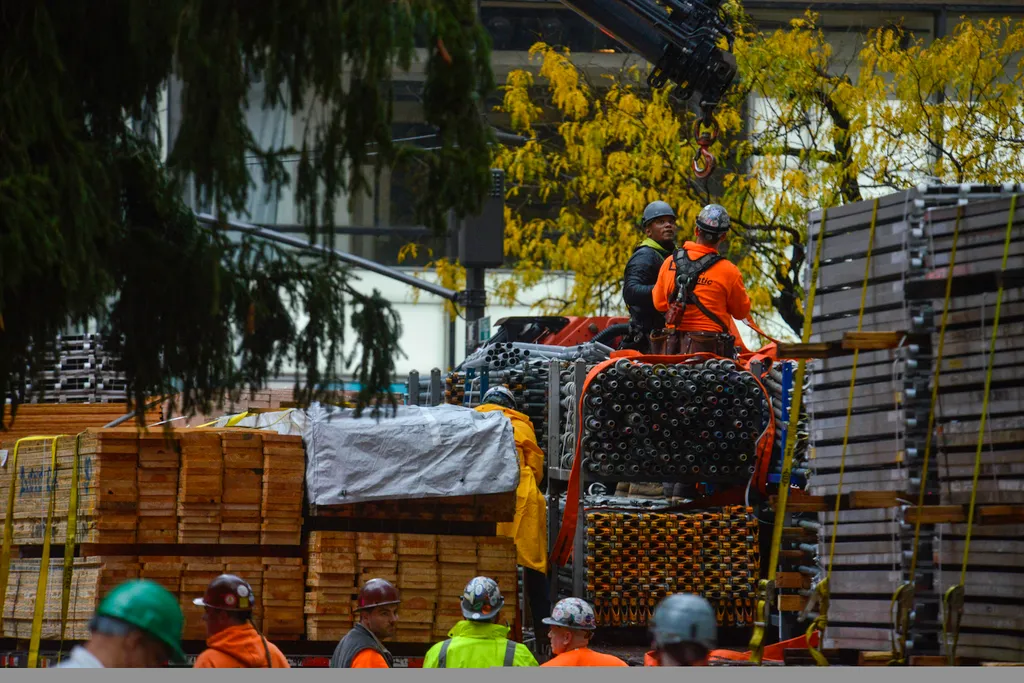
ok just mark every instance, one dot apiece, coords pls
pixel 697 421
pixel 527 381
pixel 513 354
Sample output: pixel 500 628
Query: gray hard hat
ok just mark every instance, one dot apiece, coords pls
pixel 500 395
pixel 657 209
pixel 683 618
pixel 714 219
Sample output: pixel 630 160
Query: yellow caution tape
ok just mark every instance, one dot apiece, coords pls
pixel 766 587
pixel 44 563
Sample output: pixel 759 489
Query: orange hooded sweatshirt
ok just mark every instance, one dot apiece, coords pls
pixel 239 647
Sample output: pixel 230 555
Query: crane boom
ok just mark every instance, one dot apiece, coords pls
pixel 679 37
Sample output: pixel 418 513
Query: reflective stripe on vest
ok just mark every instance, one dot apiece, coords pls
pixel 510 654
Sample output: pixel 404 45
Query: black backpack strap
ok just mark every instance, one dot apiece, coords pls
pixel 442 658
pixel 510 653
pixel 687 272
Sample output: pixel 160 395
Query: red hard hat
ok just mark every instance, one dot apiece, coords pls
pixel 377 593
pixel 227 592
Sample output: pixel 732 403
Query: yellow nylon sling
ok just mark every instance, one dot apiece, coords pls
pixel 766 587
pixel 953 599
pixel 903 599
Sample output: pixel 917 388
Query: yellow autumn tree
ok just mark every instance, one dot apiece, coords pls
pixel 801 128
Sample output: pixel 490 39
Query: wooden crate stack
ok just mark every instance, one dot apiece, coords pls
pixel 496 558
pixel 250 569
pixel 165 570
pixel 243 485
pixel 417 582
pixel 198 573
pixel 284 469
pixel 330 584
pixel 377 557
pixel 283 598
pixel 88 577
pixel 115 495
pixel 200 491
pixel 457 559
pixel 157 477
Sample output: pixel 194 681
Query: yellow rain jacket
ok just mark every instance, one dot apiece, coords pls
pixel 529 529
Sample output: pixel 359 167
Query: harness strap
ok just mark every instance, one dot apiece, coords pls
pixel 685 294
pixel 442 659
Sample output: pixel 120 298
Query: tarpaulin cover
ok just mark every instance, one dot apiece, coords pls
pixel 416 452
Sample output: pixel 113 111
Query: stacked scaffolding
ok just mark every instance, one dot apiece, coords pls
pixel 887 430
pixel 79 368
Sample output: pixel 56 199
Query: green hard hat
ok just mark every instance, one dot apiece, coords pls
pixel 148 607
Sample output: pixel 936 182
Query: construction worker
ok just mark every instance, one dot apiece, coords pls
pixel 573 623
pixel 478 642
pixel 659 227
pixel 684 631
pixel 701 291
pixel 137 625
pixel 529 526
pixel 363 647
pixel 232 641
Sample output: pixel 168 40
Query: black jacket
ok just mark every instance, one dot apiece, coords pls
pixel 354 642
pixel 638 283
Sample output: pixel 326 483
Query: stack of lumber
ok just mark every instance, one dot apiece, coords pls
pixel 243 486
pixel 159 462
pixel 114 570
pixel 284 469
pixel 250 569
pixel 200 491
pixel 165 570
pixel 197 574
pixel 417 580
pixel 35 419
pixel 107 490
pixel 493 508
pixel 456 557
pixel 87 579
pixel 283 598
pixel 330 584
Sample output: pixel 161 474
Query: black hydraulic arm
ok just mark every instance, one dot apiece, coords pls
pixel 681 38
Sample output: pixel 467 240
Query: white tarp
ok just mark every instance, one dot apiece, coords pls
pixel 418 452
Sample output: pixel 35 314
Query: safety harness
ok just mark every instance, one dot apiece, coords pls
pixel 687 272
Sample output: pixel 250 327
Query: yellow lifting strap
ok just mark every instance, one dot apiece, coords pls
pixel 822 589
pixel 5 550
pixel 69 543
pixel 902 602
pixel 44 563
pixel 953 599
pixel 766 587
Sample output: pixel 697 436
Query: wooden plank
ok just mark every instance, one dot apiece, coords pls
pixel 855 500
pixel 872 341
pixel 955 514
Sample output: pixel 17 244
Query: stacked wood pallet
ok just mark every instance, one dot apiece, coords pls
pixel 284 469
pixel 417 579
pixel 456 557
pixel 283 598
pixel 200 491
pixel 243 487
pixel 430 572
pixel 330 584
pixel 87 581
pixel 159 462
pixel 197 573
